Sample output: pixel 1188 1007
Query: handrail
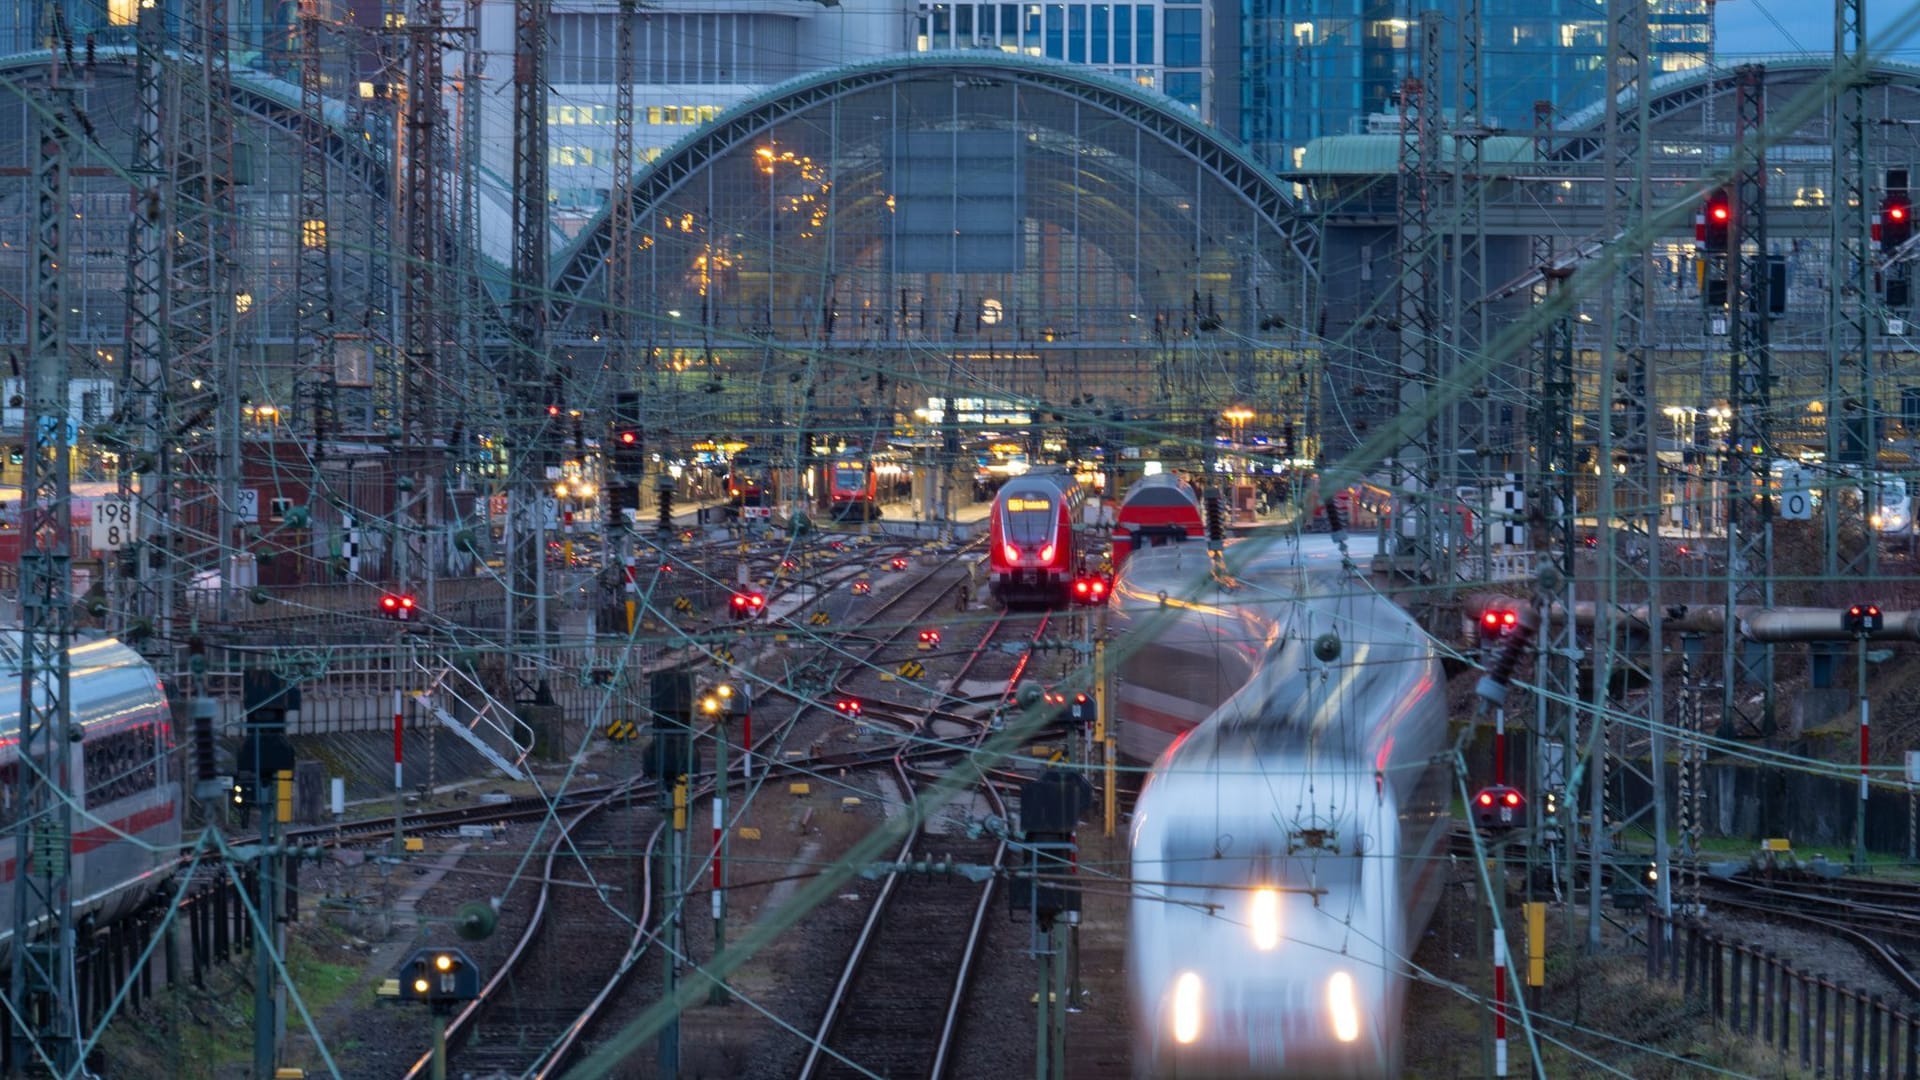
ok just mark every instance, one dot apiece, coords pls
pixel 488 712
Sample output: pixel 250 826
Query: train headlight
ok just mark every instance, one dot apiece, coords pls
pixel 1046 554
pixel 1186 1008
pixel 1343 1007
pixel 1012 553
pixel 1264 917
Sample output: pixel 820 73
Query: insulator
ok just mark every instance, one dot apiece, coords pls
pixel 204 767
pixel 1216 521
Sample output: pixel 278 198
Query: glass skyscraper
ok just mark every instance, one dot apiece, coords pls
pixel 1288 71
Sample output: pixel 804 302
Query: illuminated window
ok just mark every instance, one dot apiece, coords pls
pixel 120 12
pixel 654 115
pixel 1303 33
pixel 313 233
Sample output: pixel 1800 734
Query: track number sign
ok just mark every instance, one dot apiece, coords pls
pixel 1795 502
pixel 112 524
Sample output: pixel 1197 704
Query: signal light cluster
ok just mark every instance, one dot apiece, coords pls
pixel 1499 807
pixel 747 605
pixel 1498 622
pixel 1091 589
pixel 849 707
pixel 1893 225
pixel 399 606
pixel 1865 619
pixel 929 638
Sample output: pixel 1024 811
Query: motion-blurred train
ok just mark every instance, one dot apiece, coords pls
pixel 1157 510
pixel 1287 845
pixel 127 804
pixel 1033 554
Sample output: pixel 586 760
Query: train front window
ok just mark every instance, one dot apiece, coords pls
pixel 1029 520
pixel 849 479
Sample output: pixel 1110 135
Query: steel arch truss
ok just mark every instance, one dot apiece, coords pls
pixel 582 265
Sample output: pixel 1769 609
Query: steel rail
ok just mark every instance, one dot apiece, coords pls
pixel 860 951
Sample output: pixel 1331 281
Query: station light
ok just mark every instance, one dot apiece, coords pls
pixel 399 606
pixel 1711 224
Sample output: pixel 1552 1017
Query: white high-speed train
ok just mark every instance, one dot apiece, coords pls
pixel 1289 846
pixel 126 813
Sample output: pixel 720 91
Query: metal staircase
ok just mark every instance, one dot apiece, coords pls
pixel 491 726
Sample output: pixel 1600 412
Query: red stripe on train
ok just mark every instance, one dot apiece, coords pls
pixel 101 835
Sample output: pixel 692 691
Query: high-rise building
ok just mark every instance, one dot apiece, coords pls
pixel 696 58
pixel 1289 71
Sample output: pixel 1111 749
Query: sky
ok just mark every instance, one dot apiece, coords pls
pixel 1744 27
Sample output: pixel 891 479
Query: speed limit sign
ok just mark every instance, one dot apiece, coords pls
pixel 112 524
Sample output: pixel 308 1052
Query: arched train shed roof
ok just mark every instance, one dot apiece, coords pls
pixel 580 265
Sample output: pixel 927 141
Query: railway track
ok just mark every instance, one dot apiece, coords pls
pixel 1857 912
pixel 543 997
pixel 562 952
pixel 897 1006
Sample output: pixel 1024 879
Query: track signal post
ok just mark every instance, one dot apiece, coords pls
pixel 1862 620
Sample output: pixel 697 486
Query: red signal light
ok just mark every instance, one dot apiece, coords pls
pixel 390 603
pixel 1719 211
pixel 1486 798
pixel 628 438
pixel 553 410
pixel 1513 798
pixel 847 707
pixel 1897 212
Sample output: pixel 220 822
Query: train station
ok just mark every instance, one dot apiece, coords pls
pixel 864 538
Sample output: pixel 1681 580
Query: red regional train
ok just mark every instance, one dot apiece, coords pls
pixel 858 482
pixel 749 485
pixel 1034 554
pixel 1157 510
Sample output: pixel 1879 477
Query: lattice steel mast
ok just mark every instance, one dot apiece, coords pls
pixel 141 600
pixel 1851 550
pixel 1627 651
pixel 201 404
pixel 1470 417
pixel 1426 552
pixel 313 266
pixel 422 299
pixel 1750 379
pixel 529 428
pixel 44 1003
pixel 1550 498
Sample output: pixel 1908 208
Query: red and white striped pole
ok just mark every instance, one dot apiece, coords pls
pixel 397 725
pixel 399 792
pixel 719 827
pixel 1499 1004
